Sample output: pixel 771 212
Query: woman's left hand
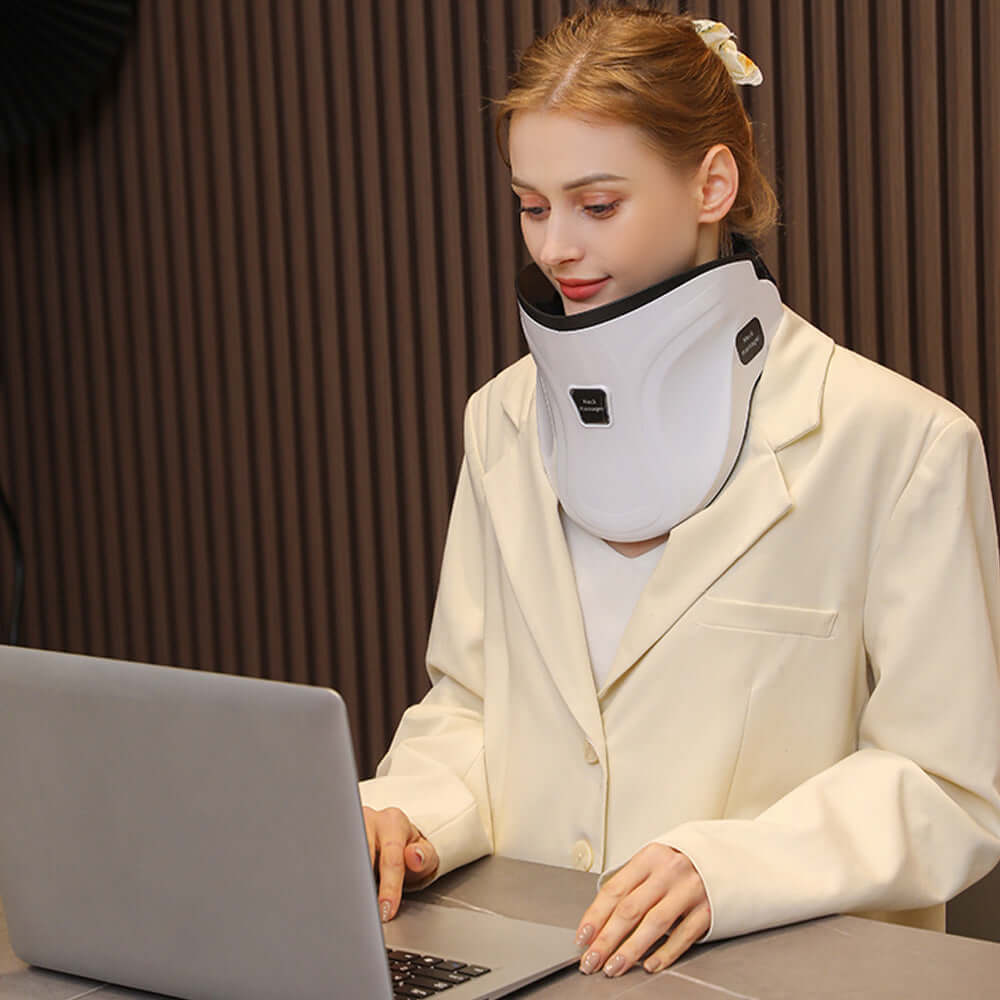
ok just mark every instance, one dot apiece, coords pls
pixel 657 892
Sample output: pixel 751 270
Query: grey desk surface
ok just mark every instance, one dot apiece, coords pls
pixel 836 957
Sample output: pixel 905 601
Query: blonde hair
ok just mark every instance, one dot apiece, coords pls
pixel 648 68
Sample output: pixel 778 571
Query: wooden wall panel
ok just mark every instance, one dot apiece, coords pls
pixel 246 290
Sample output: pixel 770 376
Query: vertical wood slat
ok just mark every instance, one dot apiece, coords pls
pixel 351 411
pixel 50 356
pixel 369 307
pixel 222 339
pixel 987 84
pixel 131 488
pixel 246 290
pixel 309 54
pixel 49 530
pixel 893 177
pixel 422 300
pixel 861 290
pixel 246 307
pixel 929 177
pixel 18 466
pixel 106 498
pixel 139 316
pixel 960 209
pixel 759 37
pixel 160 275
pixel 795 130
pixel 826 145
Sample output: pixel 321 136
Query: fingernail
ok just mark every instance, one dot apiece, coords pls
pixel 653 965
pixel 615 966
pixel 420 856
pixel 586 933
pixel 590 962
pixel 386 909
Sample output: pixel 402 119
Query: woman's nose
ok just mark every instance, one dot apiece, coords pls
pixel 560 244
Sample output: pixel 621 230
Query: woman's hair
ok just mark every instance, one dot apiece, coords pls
pixel 651 69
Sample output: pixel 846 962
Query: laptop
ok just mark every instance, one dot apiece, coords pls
pixel 200 835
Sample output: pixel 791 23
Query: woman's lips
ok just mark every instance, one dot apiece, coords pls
pixel 578 290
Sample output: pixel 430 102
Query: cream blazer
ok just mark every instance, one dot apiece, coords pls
pixel 806 701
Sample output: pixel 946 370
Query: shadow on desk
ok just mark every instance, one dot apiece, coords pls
pixel 976 912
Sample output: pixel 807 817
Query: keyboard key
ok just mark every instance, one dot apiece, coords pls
pixel 472 970
pixel 428 983
pixel 448 966
pixel 453 977
pixel 429 960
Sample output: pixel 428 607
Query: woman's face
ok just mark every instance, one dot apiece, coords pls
pixel 602 213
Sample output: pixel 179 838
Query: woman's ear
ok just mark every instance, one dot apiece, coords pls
pixel 718 182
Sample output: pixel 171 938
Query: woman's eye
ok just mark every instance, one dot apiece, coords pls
pixel 602 209
pixel 533 210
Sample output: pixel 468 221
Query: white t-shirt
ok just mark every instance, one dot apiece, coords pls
pixel 609 585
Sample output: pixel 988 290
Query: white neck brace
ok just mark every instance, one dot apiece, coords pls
pixel 643 403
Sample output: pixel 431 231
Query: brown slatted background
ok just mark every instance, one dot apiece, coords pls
pixel 245 292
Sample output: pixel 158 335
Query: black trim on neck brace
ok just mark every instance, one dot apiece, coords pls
pixel 542 303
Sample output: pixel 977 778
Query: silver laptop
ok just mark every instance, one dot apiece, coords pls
pixel 200 835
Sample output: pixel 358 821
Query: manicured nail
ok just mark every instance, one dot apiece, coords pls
pixel 590 962
pixel 653 965
pixel 386 909
pixel 586 933
pixel 615 966
pixel 420 855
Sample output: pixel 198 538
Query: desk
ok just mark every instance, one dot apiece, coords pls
pixel 832 958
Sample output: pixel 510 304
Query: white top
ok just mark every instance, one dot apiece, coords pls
pixel 609 585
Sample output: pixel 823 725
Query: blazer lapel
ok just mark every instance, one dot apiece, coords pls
pixel 701 549
pixel 525 515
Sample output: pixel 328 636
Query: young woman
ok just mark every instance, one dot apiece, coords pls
pixel 719 612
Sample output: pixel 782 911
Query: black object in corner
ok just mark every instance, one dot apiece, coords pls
pixel 18 601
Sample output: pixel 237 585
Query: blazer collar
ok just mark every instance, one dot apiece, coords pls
pixel 524 508
pixel 789 398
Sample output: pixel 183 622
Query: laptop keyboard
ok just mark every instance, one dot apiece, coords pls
pixel 416 975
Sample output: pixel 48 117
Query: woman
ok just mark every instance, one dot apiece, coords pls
pixel 719 610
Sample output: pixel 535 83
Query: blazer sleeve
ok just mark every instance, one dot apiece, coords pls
pixel 435 769
pixel 913 816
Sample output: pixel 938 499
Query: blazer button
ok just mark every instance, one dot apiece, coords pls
pixel 589 753
pixel 583 856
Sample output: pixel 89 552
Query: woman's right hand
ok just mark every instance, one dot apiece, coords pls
pixel 402 854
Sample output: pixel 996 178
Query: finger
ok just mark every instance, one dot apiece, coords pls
pixel 622 920
pixel 369 815
pixel 390 883
pixel 421 860
pixel 685 934
pixel 655 925
pixel 392 830
pixel 624 881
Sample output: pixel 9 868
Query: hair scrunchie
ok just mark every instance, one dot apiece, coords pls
pixel 719 39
